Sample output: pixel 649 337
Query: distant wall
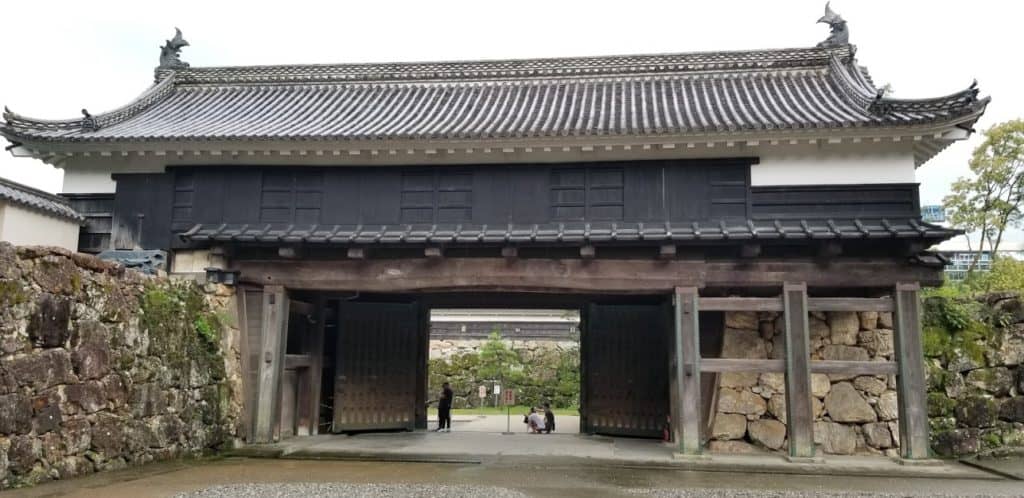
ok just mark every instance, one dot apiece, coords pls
pixel 102 367
pixel 21 226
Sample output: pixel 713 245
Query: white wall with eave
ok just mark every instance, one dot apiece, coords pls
pixel 88 181
pixel 835 165
pixel 21 226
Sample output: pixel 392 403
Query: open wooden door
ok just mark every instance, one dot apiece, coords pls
pixel 625 363
pixel 375 384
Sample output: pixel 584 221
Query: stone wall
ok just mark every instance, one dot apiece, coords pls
pixel 853 414
pixel 101 368
pixel 446 348
pixel 975 377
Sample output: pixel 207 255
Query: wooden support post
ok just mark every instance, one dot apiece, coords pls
pixel 685 395
pixel 913 412
pixel 271 358
pixel 316 366
pixel 799 411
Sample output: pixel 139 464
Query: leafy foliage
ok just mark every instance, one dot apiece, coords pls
pixel 990 201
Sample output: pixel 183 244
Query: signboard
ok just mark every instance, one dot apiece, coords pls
pixel 509 398
pixel 497 389
pixel 482 392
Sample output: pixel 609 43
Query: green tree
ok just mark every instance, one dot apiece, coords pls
pixel 990 200
pixel 498 361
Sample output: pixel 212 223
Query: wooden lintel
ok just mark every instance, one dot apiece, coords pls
pixel 741 304
pixel 611 276
pixel 667 251
pixel 301 308
pixel 356 253
pixel 509 252
pixel 854 367
pixel 588 252
pixel 750 250
pixel 830 249
pixel 879 304
pixel 293 361
pixel 720 365
pixel 433 252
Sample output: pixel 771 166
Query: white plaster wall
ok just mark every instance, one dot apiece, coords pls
pixel 195 261
pixel 21 226
pixel 88 181
pixel 834 166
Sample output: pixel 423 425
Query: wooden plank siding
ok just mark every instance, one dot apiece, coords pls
pixel 890 200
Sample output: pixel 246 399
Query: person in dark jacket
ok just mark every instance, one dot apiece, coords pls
pixel 549 418
pixel 444 409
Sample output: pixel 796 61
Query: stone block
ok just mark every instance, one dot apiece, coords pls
pixel 997 381
pixel 746 320
pixel 775 381
pixel 741 401
pixel 878 342
pixel 843 353
pixel 954 385
pixel 15 414
pixel 844 404
pixel 820 385
pixel 877 435
pixel 835 439
pixel 91 361
pixel 768 433
pixel 88 396
pixel 42 369
pixel 76 435
pixel 147 400
pixel 885 320
pixel 956 442
pixel 731 447
pixel 52 449
pixel 729 426
pixel 47 418
pixel 23 453
pixel 960 362
pixel 108 436
pixel 73 466
pixel 57 275
pixel 115 390
pixel 870 385
pixel 977 411
pixel 738 379
pixel 1009 353
pixel 747 344
pixel 48 325
pixel 868 320
pixel 843 327
pixel 888 407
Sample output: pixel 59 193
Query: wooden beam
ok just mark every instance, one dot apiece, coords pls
pixel 879 304
pixel 667 251
pixel 611 276
pixel 687 422
pixel 741 304
pixel 722 365
pixel 854 367
pixel 316 366
pixel 509 252
pixel 750 250
pixel 830 249
pixel 294 361
pixel 271 358
pixel 588 252
pixel 913 406
pixel 289 252
pixel 356 253
pixel 799 411
pixel 433 252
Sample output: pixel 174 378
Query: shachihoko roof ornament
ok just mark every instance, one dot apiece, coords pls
pixel 839 35
pixel 170 52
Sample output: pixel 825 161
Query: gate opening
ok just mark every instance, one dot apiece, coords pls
pixel 485 353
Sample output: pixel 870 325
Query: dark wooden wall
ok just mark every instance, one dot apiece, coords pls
pixel 150 208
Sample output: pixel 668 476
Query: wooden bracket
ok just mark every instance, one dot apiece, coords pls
pixel 750 250
pixel 588 252
pixel 667 251
pixel 356 253
pixel 433 252
pixel 509 252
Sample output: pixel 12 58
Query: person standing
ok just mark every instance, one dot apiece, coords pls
pixel 444 409
pixel 549 418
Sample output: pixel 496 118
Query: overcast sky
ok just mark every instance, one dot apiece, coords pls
pixel 58 57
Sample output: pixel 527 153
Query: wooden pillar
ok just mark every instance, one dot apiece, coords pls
pixel 799 412
pixel 685 395
pixel 271 362
pixel 910 365
pixel 316 365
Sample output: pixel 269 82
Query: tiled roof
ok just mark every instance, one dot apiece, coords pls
pixel 38 200
pixel 569 233
pixel 645 95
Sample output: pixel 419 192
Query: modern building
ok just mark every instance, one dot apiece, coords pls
pixel 651 192
pixel 32 217
pixel 961 250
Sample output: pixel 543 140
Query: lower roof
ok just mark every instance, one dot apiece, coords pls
pixel 39 201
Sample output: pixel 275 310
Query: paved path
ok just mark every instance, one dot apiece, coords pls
pixel 266 477
pixel 565 424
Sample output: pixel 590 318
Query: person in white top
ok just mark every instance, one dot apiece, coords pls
pixel 535 421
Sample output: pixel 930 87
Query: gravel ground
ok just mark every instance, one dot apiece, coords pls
pixel 308 490
pixel 746 493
